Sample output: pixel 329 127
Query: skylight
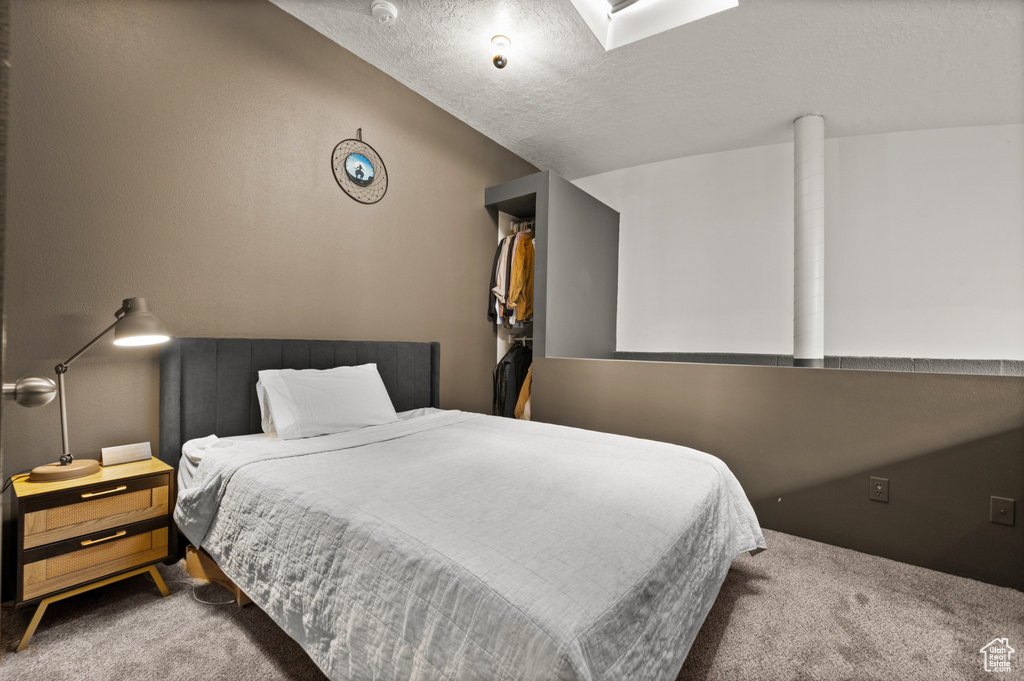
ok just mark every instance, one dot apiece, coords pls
pixel 620 22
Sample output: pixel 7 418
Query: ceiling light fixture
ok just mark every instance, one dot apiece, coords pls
pixel 501 45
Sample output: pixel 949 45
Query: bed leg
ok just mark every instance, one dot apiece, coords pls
pixel 199 565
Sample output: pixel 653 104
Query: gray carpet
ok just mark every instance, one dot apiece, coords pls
pixel 800 610
pixel 804 610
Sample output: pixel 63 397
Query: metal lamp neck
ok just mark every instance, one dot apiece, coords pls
pixel 62 369
pixel 88 345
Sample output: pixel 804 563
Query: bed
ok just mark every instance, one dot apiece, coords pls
pixel 447 545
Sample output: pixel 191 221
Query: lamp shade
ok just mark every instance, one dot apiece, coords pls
pixel 139 326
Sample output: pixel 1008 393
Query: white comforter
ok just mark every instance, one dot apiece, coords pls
pixel 460 546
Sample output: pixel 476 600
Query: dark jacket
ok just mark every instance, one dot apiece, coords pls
pixel 509 375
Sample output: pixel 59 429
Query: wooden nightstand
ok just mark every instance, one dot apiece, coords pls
pixel 80 534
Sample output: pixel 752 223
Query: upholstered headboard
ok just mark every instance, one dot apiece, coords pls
pixel 208 385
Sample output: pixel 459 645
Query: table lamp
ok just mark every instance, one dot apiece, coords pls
pixel 134 325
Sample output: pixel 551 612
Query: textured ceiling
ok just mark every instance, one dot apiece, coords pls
pixel 732 80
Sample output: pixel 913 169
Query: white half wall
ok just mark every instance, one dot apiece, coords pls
pixel 924 247
pixel 705 251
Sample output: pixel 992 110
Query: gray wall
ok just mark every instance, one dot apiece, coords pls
pixel 803 443
pixel 582 273
pixel 181 151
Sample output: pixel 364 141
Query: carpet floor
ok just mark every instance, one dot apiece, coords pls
pixel 801 610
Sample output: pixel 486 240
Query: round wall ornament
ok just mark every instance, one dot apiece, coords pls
pixel 359 170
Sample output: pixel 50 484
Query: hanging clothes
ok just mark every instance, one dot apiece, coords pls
pixel 520 290
pixel 522 410
pixel 499 289
pixel 510 298
pixel 492 300
pixel 507 313
pixel 509 375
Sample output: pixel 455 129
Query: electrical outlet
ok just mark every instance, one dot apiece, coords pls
pixel 879 490
pixel 1001 511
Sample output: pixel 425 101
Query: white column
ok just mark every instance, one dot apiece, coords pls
pixel 809 242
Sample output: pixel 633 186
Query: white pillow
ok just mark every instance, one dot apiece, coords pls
pixel 266 420
pixel 308 402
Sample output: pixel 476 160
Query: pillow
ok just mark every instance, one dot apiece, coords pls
pixel 265 419
pixel 307 402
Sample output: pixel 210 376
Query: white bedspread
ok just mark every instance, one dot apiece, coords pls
pixel 460 546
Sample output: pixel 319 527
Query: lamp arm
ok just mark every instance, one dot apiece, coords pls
pixel 63 366
pixel 62 369
pixel 65 449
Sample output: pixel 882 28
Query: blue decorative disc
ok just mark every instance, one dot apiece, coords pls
pixel 359 169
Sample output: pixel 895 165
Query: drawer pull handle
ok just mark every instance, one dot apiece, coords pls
pixel 88 542
pixel 87 495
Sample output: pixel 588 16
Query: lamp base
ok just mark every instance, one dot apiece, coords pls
pixel 54 471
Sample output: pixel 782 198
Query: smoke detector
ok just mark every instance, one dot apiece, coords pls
pixel 384 13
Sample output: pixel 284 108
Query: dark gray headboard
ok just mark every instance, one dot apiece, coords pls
pixel 208 385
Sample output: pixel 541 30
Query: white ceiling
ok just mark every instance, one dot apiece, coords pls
pixel 732 80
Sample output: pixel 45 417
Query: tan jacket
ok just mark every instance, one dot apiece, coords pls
pixel 520 291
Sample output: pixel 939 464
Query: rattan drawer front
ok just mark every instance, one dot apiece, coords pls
pixel 99 558
pixel 90 510
pixel 64 522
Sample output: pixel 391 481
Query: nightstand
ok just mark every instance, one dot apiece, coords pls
pixel 81 534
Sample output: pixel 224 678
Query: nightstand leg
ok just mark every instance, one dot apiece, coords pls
pixel 159 581
pixel 82 589
pixel 33 624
